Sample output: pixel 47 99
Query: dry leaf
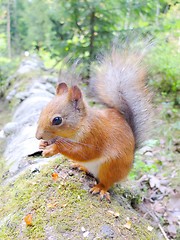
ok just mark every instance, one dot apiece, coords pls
pixel 85 234
pixel 158 207
pixel 111 212
pixel 63 205
pixel 149 228
pixel 172 229
pixel 52 205
pixel 116 214
pixel 55 176
pixel 28 219
pixel 154 182
pixel 128 225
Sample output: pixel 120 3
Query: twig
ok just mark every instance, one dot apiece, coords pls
pixel 163 232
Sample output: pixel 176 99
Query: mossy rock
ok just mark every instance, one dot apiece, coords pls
pixel 64 208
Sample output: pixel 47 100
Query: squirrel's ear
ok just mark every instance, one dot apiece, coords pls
pixel 61 88
pixel 75 93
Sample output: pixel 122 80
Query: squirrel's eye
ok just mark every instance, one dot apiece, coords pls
pixel 57 121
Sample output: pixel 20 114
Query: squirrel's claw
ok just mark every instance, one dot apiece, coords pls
pixel 98 189
pixel 43 144
pixel 106 195
pixel 50 151
pixel 80 168
pixel 46 153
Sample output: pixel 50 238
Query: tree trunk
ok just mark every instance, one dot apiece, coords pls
pixel 92 22
pixel 9 30
pixel 157 13
pixel 127 19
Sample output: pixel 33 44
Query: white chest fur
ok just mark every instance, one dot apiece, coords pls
pixel 93 166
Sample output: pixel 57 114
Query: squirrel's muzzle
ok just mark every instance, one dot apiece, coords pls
pixel 39 135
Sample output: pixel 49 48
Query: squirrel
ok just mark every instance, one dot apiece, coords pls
pixel 103 141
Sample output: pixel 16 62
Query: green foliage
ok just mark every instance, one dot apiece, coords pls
pixel 164 59
pixel 7 67
pixel 55 29
pixel 165 70
pixel 81 27
pixel 140 168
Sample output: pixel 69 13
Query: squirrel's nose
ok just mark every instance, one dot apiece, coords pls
pixel 39 135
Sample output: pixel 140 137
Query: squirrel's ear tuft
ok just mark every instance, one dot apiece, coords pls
pixel 61 88
pixel 75 93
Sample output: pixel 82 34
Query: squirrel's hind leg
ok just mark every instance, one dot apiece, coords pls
pixel 111 172
pixel 99 188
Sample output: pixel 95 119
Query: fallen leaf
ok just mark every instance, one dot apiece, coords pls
pixel 172 217
pixel 163 189
pixel 149 228
pixel 85 234
pixel 116 214
pixel 172 229
pixel 28 219
pixel 111 212
pixel 174 203
pixel 128 224
pixel 154 182
pixel 55 176
pixel 52 205
pixel 63 205
pixel 64 175
pixel 158 207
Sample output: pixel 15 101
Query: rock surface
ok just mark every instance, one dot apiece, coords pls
pixel 20 132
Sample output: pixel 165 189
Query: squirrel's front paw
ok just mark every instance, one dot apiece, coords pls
pixel 43 144
pixel 50 151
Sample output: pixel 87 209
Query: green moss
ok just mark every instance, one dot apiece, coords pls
pixel 59 208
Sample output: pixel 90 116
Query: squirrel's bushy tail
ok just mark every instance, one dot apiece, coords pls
pixel 120 82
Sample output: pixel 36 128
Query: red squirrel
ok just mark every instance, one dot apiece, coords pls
pixel 103 141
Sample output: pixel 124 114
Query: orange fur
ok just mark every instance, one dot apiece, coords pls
pixel 109 137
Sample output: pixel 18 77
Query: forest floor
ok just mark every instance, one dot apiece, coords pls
pixel 157 171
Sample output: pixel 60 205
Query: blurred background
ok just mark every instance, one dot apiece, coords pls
pixel 54 29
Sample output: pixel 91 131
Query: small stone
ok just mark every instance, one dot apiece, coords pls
pixel 2 134
pixel 22 95
pixel 116 214
pixel 36 170
pixel 149 228
pixel 70 173
pixel 10 128
pixel 107 231
pixel 149 154
pixel 83 229
pixel 11 95
pixel 85 234
pixel 144 150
